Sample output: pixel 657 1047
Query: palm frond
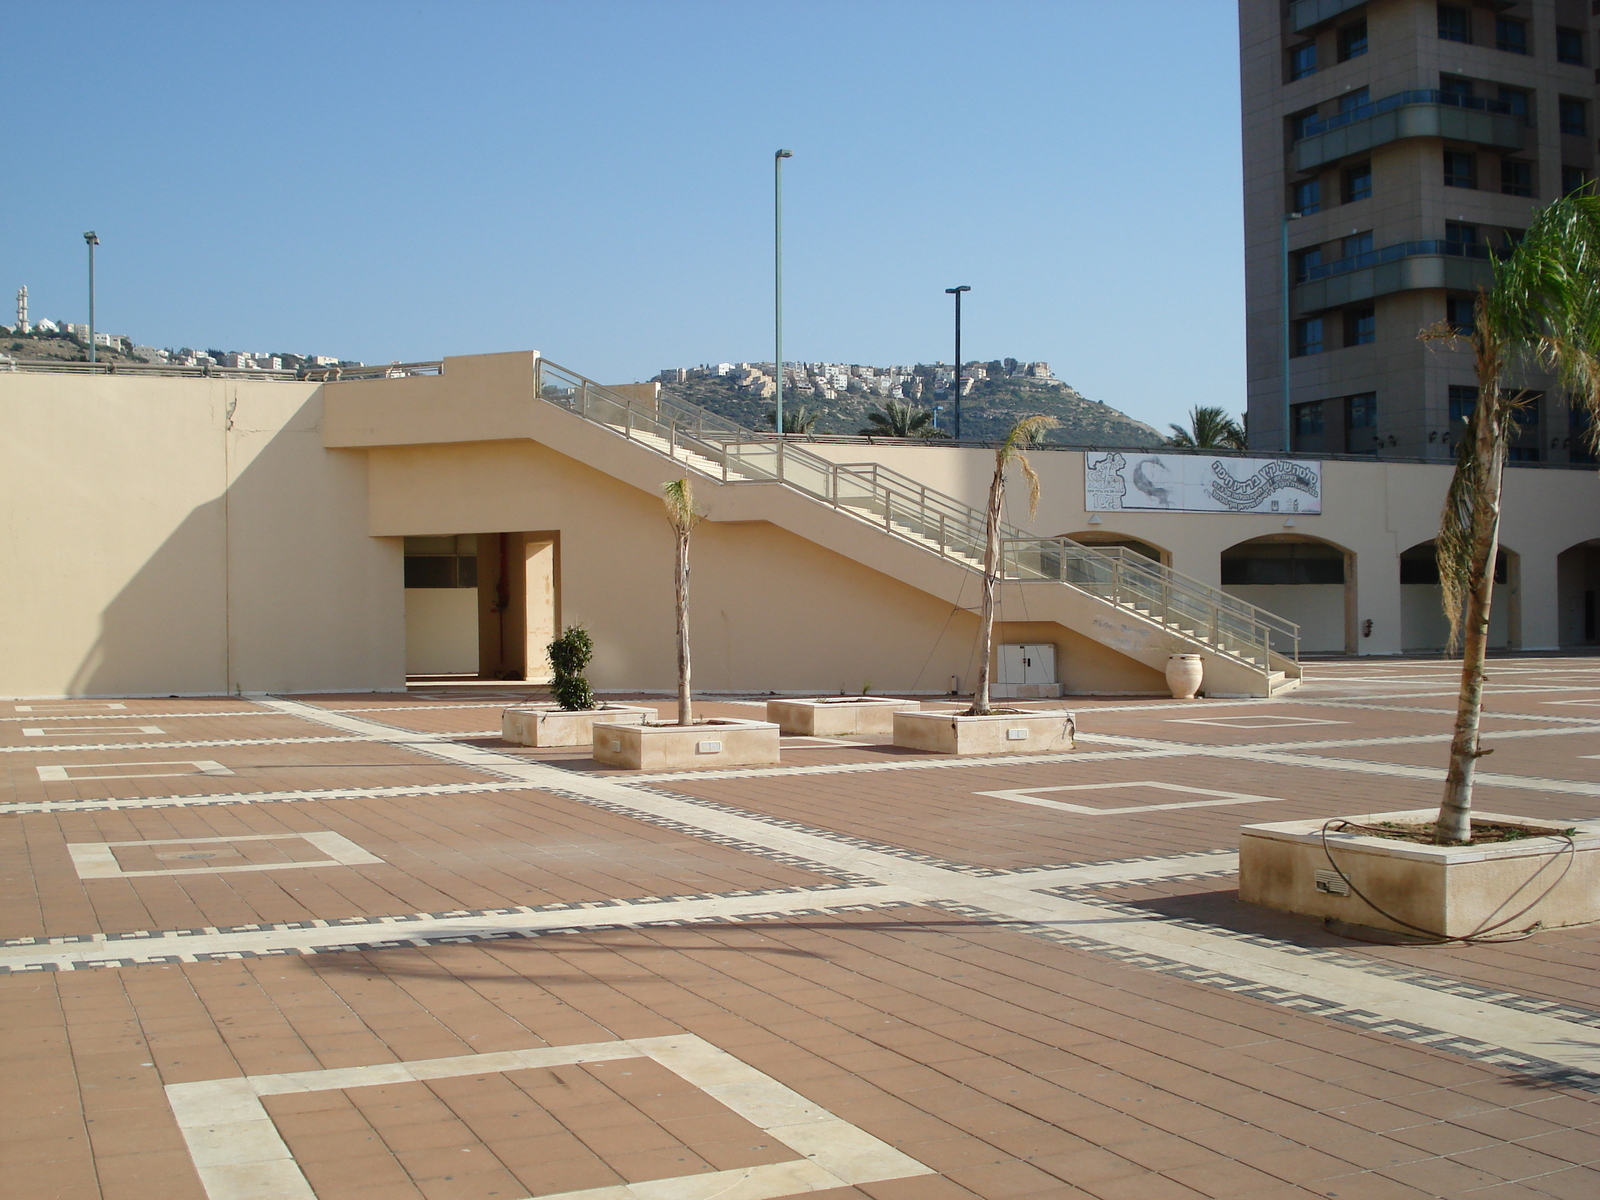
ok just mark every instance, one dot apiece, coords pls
pixel 1028 431
pixel 682 515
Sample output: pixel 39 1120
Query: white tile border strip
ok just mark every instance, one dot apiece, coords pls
pixel 202 766
pixel 101 730
pixel 96 860
pixel 240 1155
pixel 1218 799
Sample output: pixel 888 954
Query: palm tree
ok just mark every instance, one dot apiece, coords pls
pixel 796 419
pixel 1210 428
pixel 899 419
pixel 683 517
pixel 1543 307
pixel 1026 432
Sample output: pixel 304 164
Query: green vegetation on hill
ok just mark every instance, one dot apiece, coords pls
pixel 987 412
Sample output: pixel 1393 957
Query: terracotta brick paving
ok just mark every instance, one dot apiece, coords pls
pixel 1010 1061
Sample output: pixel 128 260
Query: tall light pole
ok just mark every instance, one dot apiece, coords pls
pixel 777 275
pixel 89 236
pixel 956 292
pixel 1288 439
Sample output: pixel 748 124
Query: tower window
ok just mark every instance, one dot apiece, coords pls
pixel 1573 178
pixel 1511 35
pixel 1462 313
pixel 1353 40
pixel 1303 61
pixel 1460 169
pixel 1569 46
pixel 1516 177
pixel 1462 401
pixel 1308 196
pixel 1358 182
pixel 1455 23
pixel 1308 337
pixel 1574 116
pixel 1360 326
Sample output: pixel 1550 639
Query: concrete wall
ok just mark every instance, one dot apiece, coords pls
pixel 187 536
pixel 441 631
pixel 1374 510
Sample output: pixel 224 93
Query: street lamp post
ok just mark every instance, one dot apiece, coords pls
pixel 956 292
pixel 1288 440
pixel 777 275
pixel 89 237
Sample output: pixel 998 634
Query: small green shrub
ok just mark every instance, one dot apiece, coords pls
pixel 569 655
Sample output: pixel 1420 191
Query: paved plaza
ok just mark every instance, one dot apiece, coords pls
pixel 357 948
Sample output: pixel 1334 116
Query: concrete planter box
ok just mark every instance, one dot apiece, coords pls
pixel 1453 890
pixel 998 733
pixel 547 725
pixel 721 742
pixel 833 716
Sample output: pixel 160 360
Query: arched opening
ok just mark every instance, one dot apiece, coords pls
pixel 1101 538
pixel 1301 579
pixel 1578 594
pixel 1422 622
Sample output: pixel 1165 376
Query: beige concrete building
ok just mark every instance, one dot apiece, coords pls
pixel 171 534
pixel 1415 139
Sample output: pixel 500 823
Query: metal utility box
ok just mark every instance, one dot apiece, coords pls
pixel 1026 671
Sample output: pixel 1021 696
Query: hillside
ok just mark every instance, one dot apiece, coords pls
pixel 987 412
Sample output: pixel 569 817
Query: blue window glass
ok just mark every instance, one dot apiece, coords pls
pixel 1574 116
pixel 1305 260
pixel 1357 243
pixel 1573 178
pixel 1308 196
pixel 1511 35
pixel 1455 23
pixel 1516 101
pixel 1308 336
pixel 1516 177
pixel 1353 100
pixel 1352 40
pixel 1462 401
pixel 1461 312
pixel 1358 182
pixel 1303 61
pixel 1460 169
pixel 1569 46
pixel 1360 325
pixel 1308 420
pixel 1300 125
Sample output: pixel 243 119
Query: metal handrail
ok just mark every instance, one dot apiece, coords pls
pixel 1400 100
pixel 909 509
pixel 394 370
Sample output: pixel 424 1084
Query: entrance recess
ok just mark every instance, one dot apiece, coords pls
pixel 481 606
pixel 1302 579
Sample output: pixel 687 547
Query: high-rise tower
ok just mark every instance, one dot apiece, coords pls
pixel 22 310
pixel 1414 139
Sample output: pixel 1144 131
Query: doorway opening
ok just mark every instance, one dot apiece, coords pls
pixel 481 605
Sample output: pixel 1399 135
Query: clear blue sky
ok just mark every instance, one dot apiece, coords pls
pixel 593 179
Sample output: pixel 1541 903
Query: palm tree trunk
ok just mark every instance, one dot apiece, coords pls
pixel 991 576
pixel 1455 813
pixel 681 588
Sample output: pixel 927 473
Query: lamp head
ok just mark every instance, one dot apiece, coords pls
pixel 1294 216
pixel 954 290
pixel 784 154
pixel 90 237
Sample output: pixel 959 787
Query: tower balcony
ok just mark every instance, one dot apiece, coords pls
pixel 1303 14
pixel 1419 113
pixel 1403 267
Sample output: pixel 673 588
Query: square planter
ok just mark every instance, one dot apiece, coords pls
pixel 719 742
pixel 832 716
pixel 1015 732
pixel 547 725
pixel 1452 890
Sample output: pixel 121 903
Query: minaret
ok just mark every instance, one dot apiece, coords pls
pixel 22 310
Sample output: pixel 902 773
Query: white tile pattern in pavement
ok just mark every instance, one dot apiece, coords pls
pixel 240 1154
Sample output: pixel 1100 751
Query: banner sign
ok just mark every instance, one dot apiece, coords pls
pixel 1152 482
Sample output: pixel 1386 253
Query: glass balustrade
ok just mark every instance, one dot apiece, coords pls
pixel 1399 100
